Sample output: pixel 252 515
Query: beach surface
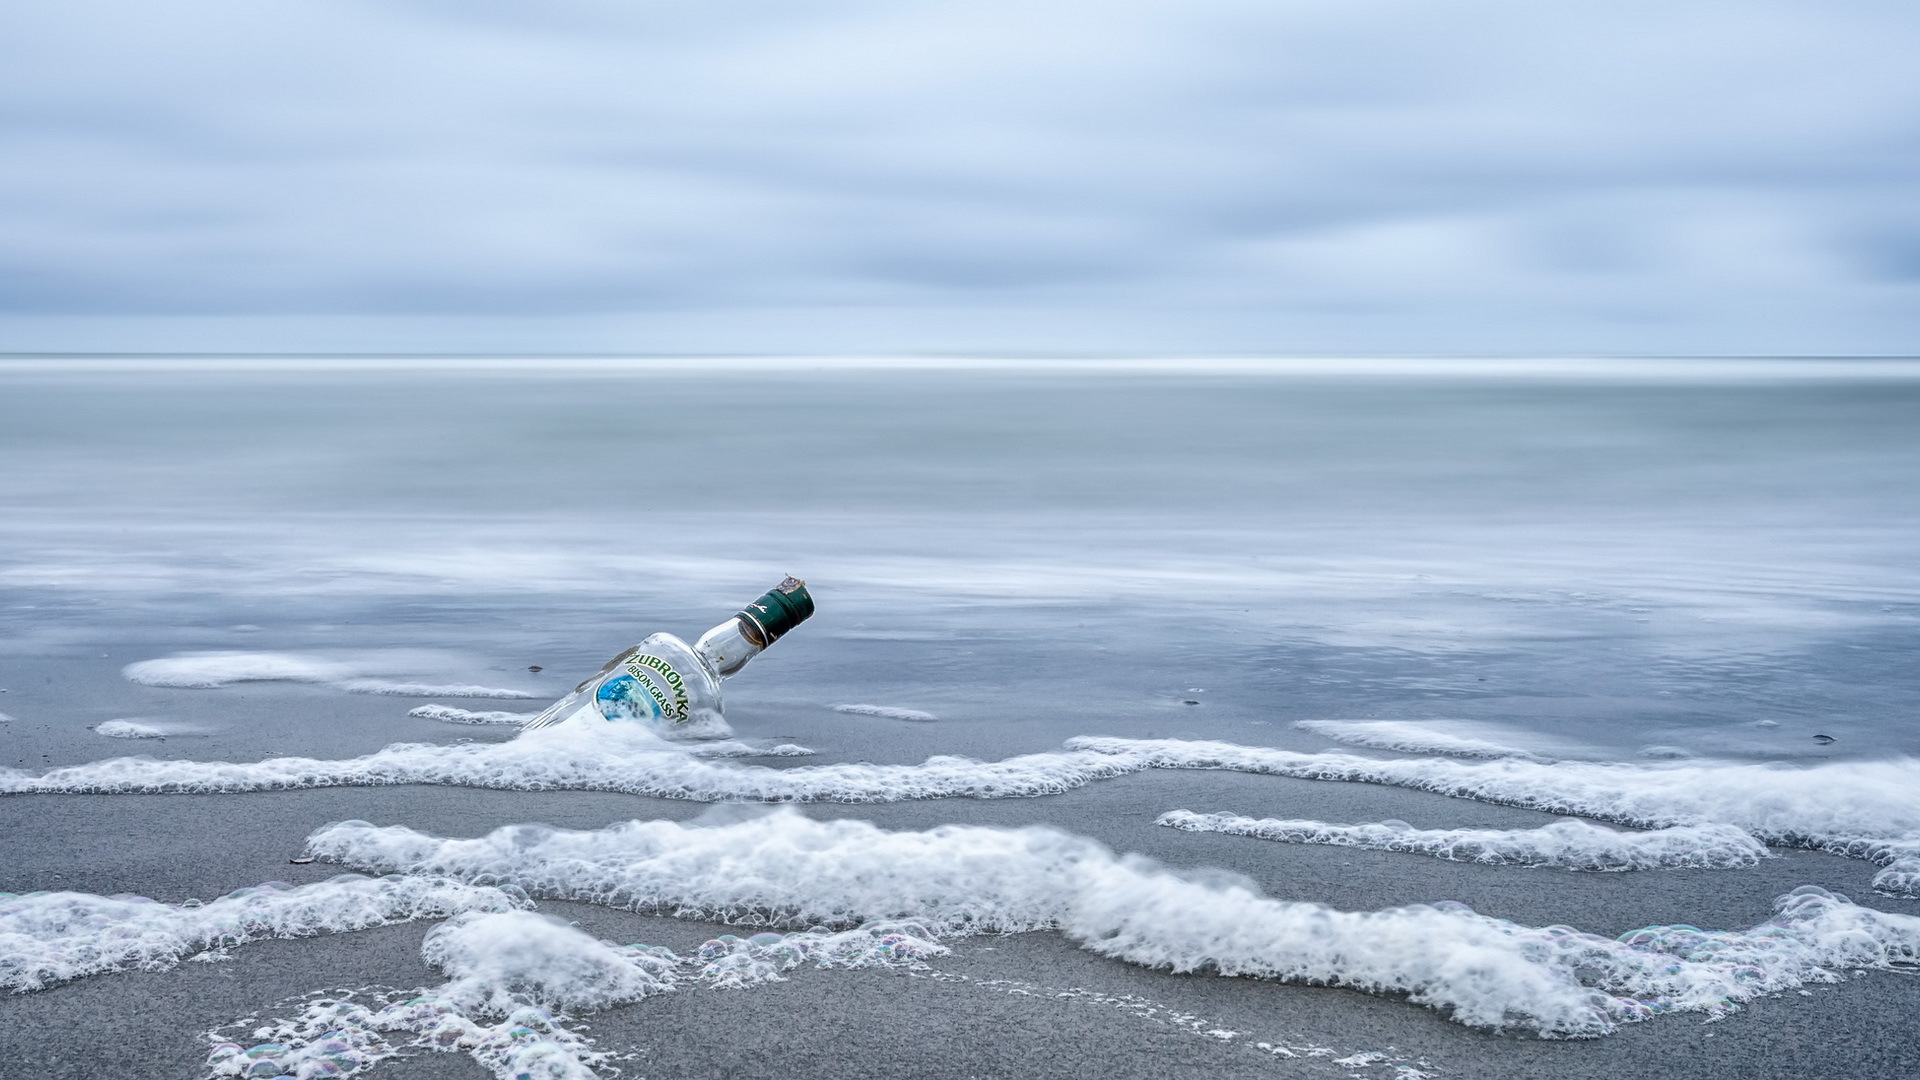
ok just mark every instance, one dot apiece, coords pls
pixel 1644 603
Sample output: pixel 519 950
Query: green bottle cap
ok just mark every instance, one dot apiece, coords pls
pixel 784 607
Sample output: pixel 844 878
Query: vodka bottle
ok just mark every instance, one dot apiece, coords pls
pixel 674 687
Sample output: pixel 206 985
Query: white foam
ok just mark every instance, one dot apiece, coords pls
pixel 420 689
pixel 731 748
pixel 1154 1012
pixel 211 670
pixel 205 671
pixel 730 962
pixel 46 938
pixel 129 729
pixel 753 872
pixel 1569 843
pixel 5 719
pixel 783 869
pixel 1900 856
pixel 513 979
pixel 449 714
pixel 889 712
pixel 1900 878
pixel 608 757
pixel 508 972
pixel 1850 808
pixel 1845 807
pixel 1457 737
pixel 499 961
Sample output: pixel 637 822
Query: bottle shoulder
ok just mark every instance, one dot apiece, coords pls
pixel 672 648
pixel 661 640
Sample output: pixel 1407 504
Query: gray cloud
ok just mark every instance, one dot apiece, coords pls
pixel 1204 174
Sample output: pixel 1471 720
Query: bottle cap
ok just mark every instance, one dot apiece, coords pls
pixel 784 607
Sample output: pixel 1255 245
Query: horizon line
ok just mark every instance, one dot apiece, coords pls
pixel 1636 367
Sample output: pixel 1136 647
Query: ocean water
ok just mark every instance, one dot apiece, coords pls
pixel 1056 606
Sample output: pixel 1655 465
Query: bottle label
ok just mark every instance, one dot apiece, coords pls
pixel 650 690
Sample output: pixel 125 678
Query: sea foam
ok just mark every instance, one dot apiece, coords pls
pixel 610 757
pixel 1457 737
pixel 210 670
pixel 205 671
pixel 449 715
pixel 129 729
pixel 1860 809
pixel 733 748
pixel 514 978
pixel 783 869
pixel 50 937
pixel 423 689
pixel 509 972
pixel 1569 843
pixel 890 712
pixel 709 748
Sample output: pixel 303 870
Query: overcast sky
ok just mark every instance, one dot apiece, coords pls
pixel 1329 176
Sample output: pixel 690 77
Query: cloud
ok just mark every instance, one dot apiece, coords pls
pixel 1207 174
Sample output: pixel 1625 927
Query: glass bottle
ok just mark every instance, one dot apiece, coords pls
pixel 674 687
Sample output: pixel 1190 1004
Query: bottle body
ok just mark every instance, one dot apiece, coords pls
pixel 661 683
pixel 674 688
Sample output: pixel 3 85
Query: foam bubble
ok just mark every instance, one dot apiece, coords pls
pixel 783 869
pixel 1457 737
pixel 1569 843
pixel 450 715
pixel 1900 878
pixel 1900 857
pixel 51 937
pixel 129 729
pixel 210 670
pixel 890 712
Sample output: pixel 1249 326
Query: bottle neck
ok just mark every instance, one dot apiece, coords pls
pixel 730 645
